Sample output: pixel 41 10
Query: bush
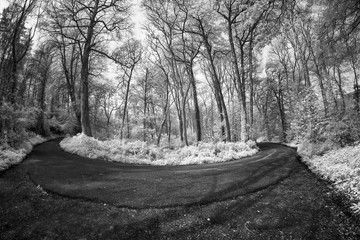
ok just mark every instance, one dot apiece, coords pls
pixel 139 152
pixel 330 134
pixel 10 156
pixel 305 117
pixel 345 131
pixel 342 167
pixel 13 123
pixel 71 126
pixel 55 127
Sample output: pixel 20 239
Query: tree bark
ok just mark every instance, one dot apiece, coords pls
pixel 165 111
pixel 40 126
pixel 251 78
pixel 241 89
pixel 145 102
pixel 85 109
pixel 126 100
pixel 196 104
pixel 70 81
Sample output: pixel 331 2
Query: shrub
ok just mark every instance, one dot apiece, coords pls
pixel 143 153
pixel 342 167
pixel 13 125
pixel 344 131
pixel 55 127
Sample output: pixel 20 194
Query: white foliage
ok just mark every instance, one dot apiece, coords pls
pixel 139 152
pixel 10 156
pixel 342 167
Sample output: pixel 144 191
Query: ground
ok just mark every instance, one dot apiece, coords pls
pixel 283 200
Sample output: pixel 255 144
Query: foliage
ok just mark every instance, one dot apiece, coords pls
pixel 305 117
pixel 331 133
pixel 342 167
pixel 14 123
pixel 139 152
pixel 344 131
pixel 10 156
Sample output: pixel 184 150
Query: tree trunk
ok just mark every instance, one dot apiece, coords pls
pixel 356 89
pixel 126 102
pixel 251 78
pixel 85 109
pixel 343 105
pixel 217 87
pixel 70 82
pixel 145 103
pixel 196 104
pixel 321 82
pixel 184 122
pixel 323 91
pixel 40 126
pixel 241 96
pixel 180 118
pixel 128 124
pixel 165 111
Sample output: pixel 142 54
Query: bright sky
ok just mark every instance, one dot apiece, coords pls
pixel 138 18
pixel 3 4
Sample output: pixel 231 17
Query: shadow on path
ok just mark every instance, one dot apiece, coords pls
pixel 144 186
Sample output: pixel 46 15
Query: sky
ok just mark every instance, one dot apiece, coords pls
pixel 138 18
pixel 3 4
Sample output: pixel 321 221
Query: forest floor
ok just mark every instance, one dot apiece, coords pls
pixel 268 196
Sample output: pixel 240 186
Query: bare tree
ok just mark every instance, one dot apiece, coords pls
pixel 93 21
pixel 164 17
pixel 128 56
pixel 204 27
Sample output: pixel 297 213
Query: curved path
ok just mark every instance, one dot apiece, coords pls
pixel 144 186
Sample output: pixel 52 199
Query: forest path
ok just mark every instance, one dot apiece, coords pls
pixel 144 186
pixel 57 195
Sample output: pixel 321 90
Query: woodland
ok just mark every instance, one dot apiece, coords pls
pixel 201 71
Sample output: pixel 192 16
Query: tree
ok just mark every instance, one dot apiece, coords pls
pixel 94 22
pixel 188 50
pixel 201 23
pixel 242 19
pixel 164 17
pixel 128 56
pixel 343 16
pixel 66 40
pixel 43 60
pixel 163 86
pixel 276 84
pixel 15 44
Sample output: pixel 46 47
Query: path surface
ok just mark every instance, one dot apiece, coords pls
pixel 143 186
pixel 56 195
